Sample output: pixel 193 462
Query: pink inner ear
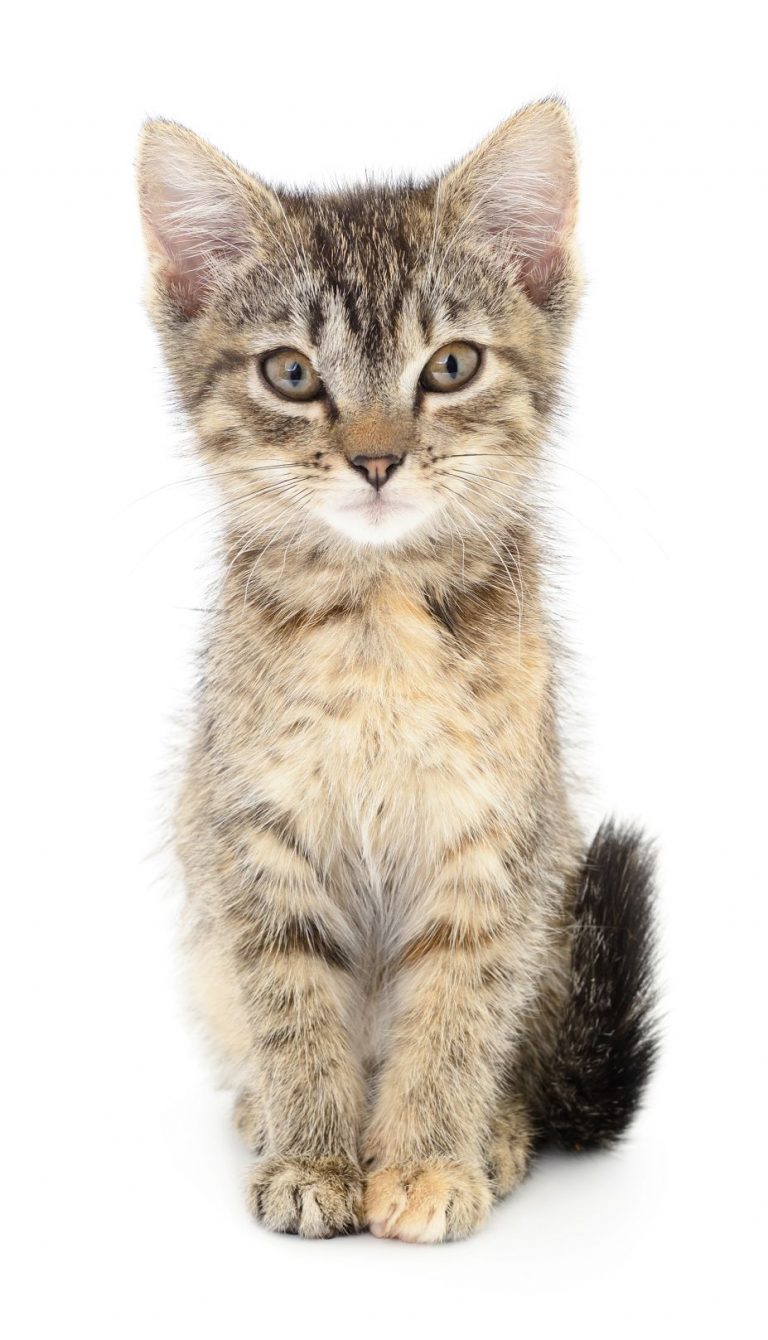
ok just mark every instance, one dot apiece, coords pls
pixel 539 276
pixel 520 190
pixel 195 219
pixel 530 217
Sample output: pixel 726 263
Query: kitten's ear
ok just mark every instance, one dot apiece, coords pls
pixel 200 211
pixel 518 192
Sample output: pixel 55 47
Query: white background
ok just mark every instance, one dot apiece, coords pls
pixel 121 1194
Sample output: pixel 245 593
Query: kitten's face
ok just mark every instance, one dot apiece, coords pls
pixel 373 368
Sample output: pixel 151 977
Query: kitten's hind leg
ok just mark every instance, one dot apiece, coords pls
pixel 508 1154
pixel 249 1119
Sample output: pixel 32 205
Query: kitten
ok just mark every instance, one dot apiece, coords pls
pixel 413 967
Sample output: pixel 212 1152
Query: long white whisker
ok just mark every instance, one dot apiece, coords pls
pixel 203 477
pixel 517 590
pixel 277 487
pixel 260 558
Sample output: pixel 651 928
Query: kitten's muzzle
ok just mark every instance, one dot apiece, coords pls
pixel 377 469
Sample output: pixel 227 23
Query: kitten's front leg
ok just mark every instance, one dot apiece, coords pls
pixel 461 985
pixel 293 964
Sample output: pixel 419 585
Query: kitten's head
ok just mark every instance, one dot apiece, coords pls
pixel 371 367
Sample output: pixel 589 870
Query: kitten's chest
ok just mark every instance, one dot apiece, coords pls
pixel 380 690
pixel 374 731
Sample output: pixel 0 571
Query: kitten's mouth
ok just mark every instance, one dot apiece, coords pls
pixel 380 518
pixel 379 507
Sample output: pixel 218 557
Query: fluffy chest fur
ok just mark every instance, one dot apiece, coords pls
pixel 385 731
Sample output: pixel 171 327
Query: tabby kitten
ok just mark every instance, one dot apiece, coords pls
pixel 413 969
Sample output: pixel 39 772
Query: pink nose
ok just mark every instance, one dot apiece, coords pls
pixel 377 469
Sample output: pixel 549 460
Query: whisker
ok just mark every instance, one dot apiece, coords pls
pixel 205 475
pixel 482 482
pixel 277 487
pixel 519 591
pixel 251 535
pixel 259 559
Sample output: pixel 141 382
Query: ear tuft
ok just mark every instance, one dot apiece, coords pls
pixel 518 191
pixel 197 210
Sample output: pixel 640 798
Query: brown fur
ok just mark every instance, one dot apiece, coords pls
pixel 378 848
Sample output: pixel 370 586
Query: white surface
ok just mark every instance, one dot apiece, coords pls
pixel 120 1196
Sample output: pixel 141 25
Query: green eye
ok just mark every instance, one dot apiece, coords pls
pixel 451 367
pixel 291 374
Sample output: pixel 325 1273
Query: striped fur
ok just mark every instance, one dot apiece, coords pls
pixel 381 858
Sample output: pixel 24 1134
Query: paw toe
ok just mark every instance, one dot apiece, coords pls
pixel 427 1202
pixel 316 1198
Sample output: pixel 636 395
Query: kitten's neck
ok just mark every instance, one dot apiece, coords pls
pixel 309 581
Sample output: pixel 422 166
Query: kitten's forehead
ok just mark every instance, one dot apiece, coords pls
pixel 374 232
pixel 363 271
pixel 365 251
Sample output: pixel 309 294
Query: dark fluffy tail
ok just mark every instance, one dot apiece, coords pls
pixel 608 1038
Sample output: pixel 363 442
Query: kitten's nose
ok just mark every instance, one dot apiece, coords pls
pixel 377 469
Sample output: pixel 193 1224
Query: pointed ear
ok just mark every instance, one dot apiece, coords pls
pixel 518 193
pixel 199 210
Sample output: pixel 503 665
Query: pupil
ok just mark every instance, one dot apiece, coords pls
pixel 294 372
pixel 451 365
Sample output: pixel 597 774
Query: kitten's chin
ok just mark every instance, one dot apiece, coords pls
pixel 380 522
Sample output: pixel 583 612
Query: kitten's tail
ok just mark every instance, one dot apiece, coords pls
pixel 608 1038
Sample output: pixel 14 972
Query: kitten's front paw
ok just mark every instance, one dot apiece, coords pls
pixel 433 1201
pixel 316 1198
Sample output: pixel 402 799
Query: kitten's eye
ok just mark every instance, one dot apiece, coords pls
pixel 451 367
pixel 291 374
